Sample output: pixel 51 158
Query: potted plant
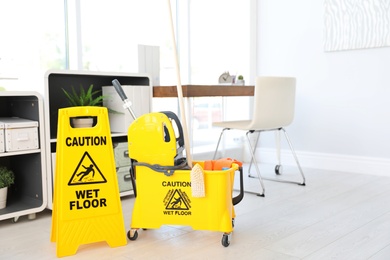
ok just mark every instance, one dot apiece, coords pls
pixel 83 98
pixel 7 178
pixel 240 80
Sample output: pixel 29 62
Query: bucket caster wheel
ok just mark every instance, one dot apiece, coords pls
pixel 225 240
pixel 132 234
pixel 278 169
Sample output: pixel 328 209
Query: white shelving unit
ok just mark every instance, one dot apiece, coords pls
pixel 55 99
pixel 29 193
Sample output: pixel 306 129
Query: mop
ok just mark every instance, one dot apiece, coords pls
pixel 197 181
pixel 197 174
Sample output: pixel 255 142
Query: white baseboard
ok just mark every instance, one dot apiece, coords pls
pixel 332 162
pixel 323 161
pixel 207 153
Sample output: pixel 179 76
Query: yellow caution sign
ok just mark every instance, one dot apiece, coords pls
pixel 86 204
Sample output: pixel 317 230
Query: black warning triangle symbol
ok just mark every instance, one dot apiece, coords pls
pixel 177 202
pixel 86 172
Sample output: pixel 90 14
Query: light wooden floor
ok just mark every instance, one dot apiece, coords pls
pixel 336 216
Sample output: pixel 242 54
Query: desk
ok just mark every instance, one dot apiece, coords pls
pixel 204 91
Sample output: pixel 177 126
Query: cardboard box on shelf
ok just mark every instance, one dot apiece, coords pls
pixel 20 134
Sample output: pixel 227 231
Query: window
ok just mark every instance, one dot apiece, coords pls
pixel 212 36
pixel 218 40
pixel 32 40
pixel 112 30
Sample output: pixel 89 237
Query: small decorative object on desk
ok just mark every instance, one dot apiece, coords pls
pixel 7 178
pixel 240 80
pixel 226 78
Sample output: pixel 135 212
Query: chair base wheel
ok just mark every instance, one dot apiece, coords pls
pixel 278 169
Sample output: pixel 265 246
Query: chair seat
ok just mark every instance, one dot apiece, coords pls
pixel 247 125
pixel 242 125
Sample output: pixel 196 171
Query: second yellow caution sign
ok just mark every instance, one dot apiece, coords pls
pixel 86 205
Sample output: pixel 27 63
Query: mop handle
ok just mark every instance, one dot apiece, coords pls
pixel 127 103
pixel 119 89
pixel 180 90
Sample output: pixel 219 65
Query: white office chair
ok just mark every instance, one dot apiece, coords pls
pixel 274 102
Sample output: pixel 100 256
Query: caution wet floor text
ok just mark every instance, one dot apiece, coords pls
pixel 86 205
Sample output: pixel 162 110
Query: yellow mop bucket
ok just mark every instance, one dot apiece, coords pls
pixel 164 192
pixel 165 199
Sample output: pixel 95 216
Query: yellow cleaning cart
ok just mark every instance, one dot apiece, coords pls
pixel 163 184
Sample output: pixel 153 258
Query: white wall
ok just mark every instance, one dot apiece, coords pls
pixel 342 118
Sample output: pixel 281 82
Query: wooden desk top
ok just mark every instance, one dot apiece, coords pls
pixel 204 91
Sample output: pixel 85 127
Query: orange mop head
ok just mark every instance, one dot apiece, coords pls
pixel 220 164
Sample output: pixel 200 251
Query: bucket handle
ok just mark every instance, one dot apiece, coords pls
pixel 167 170
pixel 240 196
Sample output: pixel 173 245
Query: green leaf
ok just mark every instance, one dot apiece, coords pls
pixel 7 177
pixel 87 97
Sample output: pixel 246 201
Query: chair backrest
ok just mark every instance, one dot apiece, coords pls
pixel 274 102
